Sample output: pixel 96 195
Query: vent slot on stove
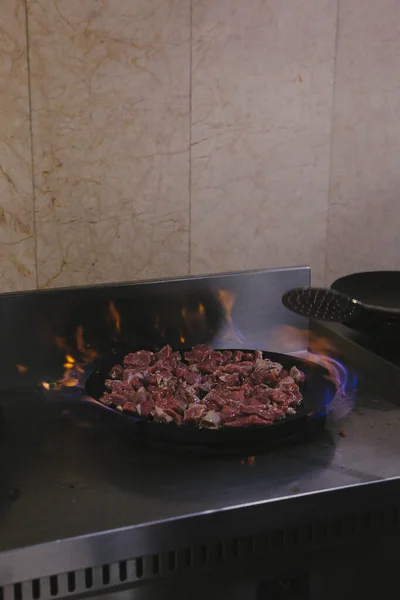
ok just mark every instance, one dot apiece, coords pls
pixel 230 552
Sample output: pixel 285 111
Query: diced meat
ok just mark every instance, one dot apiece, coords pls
pixel 145 408
pixel 164 353
pixel 161 416
pixel 130 408
pixel 211 419
pixel 297 375
pixel 207 366
pixel 133 377
pixel 194 413
pixel 231 380
pixel 141 395
pixel 113 399
pixel 226 356
pixel 161 378
pixel 182 372
pixel 207 388
pixel 138 360
pixel 198 353
pixel 229 413
pixel 116 372
pixel 237 356
pixel 173 403
pixel 121 387
pixel 287 382
pixel 243 368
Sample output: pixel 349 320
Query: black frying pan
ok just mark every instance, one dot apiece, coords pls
pixel 367 302
pixel 318 391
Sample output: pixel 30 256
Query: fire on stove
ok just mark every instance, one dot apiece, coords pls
pixel 195 320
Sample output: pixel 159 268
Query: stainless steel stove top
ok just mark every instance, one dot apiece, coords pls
pixel 78 494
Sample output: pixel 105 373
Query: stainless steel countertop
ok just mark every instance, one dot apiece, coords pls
pixel 70 469
pixel 76 492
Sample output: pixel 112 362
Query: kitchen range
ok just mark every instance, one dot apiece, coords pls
pixel 98 500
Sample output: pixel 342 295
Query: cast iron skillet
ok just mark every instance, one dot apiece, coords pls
pixel 318 391
pixel 381 291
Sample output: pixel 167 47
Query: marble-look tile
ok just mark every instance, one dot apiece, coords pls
pixel 364 222
pixel 17 256
pixel 261 118
pixel 110 111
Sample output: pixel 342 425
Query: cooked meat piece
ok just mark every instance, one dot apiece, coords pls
pixel 138 360
pixel 141 395
pixel 113 399
pixel 198 353
pixel 161 416
pixel 194 413
pixel 165 364
pixel 182 372
pixel 209 388
pixel 165 352
pixel 237 356
pixel 297 375
pixel 174 415
pixel 135 378
pixel 230 380
pixel 207 366
pixel 247 356
pixel 171 402
pixel 116 372
pixel 145 408
pixel 130 408
pixel 229 413
pixel 243 368
pixel 121 387
pixel 226 356
pixel 212 420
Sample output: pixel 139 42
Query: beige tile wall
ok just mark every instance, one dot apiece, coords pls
pixel 262 83
pixel 177 136
pixel 17 255
pixel 364 220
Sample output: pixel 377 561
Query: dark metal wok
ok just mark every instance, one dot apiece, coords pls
pixel 318 391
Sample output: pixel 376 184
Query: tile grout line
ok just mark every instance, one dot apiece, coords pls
pixel 190 131
pixel 328 213
pixel 31 141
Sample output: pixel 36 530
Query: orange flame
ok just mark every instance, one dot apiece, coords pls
pixel 227 300
pixel 115 317
pixel 22 369
pixel 74 368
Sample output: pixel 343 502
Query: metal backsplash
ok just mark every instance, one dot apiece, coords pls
pixel 234 310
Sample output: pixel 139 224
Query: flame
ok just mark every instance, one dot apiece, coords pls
pixel 74 367
pixel 322 351
pixel 233 334
pixel 115 317
pixel 182 339
pixel 194 318
pixel 22 369
pixel 227 300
